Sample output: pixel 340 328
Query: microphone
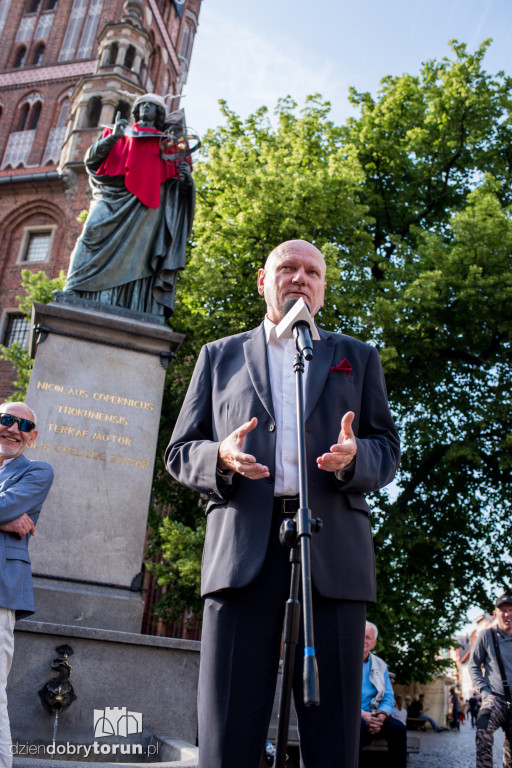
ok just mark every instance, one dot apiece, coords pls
pixel 298 324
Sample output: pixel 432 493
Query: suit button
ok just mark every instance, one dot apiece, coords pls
pixel 271 427
pixel 269 479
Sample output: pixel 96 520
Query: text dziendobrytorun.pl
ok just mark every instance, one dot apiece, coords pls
pixel 82 750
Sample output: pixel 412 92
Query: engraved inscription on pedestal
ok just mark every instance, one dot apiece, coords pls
pixel 98 407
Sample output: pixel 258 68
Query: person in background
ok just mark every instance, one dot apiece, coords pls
pixel 377 704
pixel 417 711
pixel 490 667
pixel 474 707
pixel 399 711
pixel 454 709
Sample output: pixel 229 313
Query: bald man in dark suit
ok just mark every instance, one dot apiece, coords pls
pixel 236 441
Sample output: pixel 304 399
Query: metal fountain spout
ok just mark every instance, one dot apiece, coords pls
pixel 58 693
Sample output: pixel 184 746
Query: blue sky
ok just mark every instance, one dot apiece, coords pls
pixel 252 53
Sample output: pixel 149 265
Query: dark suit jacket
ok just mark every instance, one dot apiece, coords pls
pixel 229 386
pixel 24 486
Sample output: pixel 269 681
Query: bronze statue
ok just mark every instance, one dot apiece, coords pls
pixel 134 240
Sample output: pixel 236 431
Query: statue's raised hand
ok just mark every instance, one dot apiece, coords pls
pixel 119 126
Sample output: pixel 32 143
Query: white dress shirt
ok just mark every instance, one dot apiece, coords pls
pixel 280 356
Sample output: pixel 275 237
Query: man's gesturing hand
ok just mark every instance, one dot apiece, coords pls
pixel 232 457
pixel 343 453
pixel 21 525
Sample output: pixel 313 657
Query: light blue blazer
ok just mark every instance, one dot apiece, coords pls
pixel 24 485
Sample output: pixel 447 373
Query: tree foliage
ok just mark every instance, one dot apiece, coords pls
pixel 38 287
pixel 410 202
pixel 436 156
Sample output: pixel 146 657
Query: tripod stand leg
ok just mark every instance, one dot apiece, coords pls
pixel 291 635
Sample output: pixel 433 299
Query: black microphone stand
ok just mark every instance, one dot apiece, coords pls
pixel 296 533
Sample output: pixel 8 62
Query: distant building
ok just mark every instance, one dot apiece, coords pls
pixel 66 68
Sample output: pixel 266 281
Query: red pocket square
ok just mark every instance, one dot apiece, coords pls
pixel 343 367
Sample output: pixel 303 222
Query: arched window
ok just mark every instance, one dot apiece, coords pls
pixel 21 139
pixel 23 118
pixel 56 136
pixel 64 109
pixel 35 114
pixel 31 6
pixel 94 112
pixel 165 83
pixel 123 110
pixel 20 57
pixel 113 50
pixel 4 13
pixel 129 57
pixel 154 66
pixel 81 30
pixel 186 43
pixel 38 55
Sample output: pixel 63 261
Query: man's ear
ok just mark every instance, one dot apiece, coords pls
pixel 33 436
pixel 261 280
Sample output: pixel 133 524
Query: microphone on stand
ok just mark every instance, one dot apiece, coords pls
pixel 298 324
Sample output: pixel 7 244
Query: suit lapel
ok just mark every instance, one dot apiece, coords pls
pixel 255 351
pixel 323 352
pixel 10 470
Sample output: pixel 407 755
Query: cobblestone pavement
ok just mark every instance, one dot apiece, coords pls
pixel 452 749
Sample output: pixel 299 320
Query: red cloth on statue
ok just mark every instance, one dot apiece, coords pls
pixel 139 161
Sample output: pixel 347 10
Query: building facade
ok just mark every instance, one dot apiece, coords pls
pixel 66 68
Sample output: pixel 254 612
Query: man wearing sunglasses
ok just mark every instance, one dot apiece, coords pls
pixel 24 485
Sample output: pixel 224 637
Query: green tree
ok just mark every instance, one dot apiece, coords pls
pixel 409 203
pixel 435 152
pixel 38 287
pixel 447 356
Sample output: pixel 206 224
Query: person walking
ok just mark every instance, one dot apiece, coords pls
pixel 490 667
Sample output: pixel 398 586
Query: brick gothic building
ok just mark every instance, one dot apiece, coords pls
pixel 66 67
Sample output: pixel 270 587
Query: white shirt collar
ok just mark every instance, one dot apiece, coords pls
pixel 270 331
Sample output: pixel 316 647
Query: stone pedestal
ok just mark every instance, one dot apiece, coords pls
pixel 96 387
pixel 154 676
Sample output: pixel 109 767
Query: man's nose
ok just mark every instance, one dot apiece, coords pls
pixel 299 276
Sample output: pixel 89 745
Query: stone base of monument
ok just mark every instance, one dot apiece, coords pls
pixel 96 386
pixel 87 605
pixel 129 689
